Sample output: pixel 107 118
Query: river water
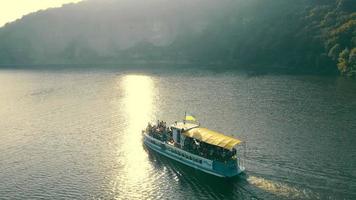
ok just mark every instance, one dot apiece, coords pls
pixel 76 134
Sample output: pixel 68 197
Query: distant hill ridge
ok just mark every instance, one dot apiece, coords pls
pixel 307 35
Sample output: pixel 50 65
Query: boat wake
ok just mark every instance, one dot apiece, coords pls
pixel 281 189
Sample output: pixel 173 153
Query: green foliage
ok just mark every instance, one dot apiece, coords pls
pixel 335 24
pixel 343 61
pixel 307 35
pixel 335 51
pixel 352 62
pixel 347 62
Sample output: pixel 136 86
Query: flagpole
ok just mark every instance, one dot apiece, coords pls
pixel 185 116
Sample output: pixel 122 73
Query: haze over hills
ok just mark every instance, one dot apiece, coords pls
pixel 307 35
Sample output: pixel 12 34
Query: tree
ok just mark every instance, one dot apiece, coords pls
pixel 352 62
pixel 343 61
pixel 335 51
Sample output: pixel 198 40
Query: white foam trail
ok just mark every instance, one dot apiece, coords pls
pixel 281 189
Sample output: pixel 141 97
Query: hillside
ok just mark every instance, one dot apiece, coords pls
pixel 307 35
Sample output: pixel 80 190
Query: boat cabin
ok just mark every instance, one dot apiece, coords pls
pixel 207 143
pixel 178 129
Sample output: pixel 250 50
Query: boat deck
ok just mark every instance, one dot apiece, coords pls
pixel 209 166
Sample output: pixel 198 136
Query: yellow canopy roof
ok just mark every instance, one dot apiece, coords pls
pixel 212 137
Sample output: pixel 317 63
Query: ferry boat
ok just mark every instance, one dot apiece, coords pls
pixel 197 147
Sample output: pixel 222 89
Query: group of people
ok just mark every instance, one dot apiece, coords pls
pixel 207 150
pixel 159 131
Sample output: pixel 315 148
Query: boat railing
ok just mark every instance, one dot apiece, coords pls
pixel 240 163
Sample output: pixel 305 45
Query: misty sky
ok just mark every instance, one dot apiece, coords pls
pixel 109 25
pixel 11 10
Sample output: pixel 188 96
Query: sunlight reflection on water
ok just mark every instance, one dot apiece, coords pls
pixel 139 107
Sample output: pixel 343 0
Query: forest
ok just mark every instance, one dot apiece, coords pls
pixel 316 36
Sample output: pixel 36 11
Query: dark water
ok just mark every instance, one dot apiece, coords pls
pixel 77 134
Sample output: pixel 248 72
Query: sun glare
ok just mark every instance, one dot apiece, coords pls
pixel 139 107
pixel 12 10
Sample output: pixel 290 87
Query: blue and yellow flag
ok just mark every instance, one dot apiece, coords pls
pixel 190 118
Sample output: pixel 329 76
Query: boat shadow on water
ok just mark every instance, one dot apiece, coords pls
pixel 219 188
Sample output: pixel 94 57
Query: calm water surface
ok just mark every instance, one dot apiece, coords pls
pixel 77 134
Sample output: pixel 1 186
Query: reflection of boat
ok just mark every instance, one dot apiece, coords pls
pixel 197 147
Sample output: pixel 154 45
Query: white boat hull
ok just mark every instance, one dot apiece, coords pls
pixel 192 160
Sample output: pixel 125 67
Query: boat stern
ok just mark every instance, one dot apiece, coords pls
pixel 228 168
